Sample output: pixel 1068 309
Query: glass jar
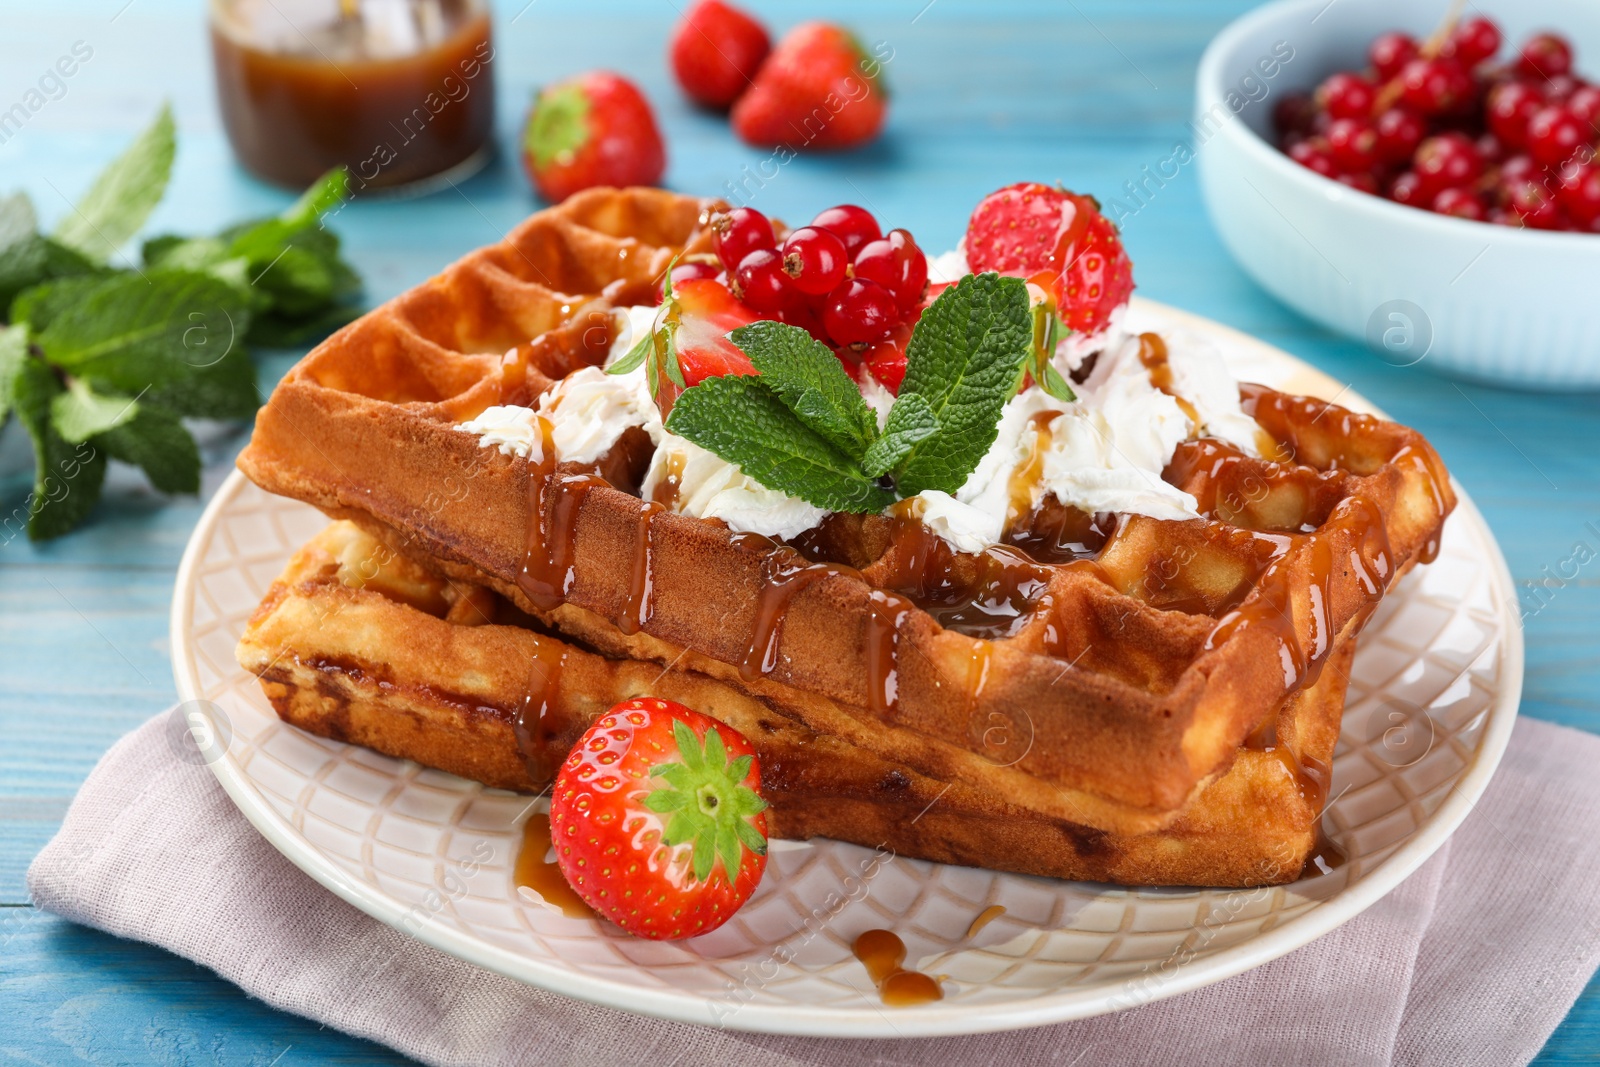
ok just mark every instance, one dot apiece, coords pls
pixel 399 91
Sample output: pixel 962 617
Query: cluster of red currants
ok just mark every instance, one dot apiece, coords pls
pixel 1441 126
pixel 841 277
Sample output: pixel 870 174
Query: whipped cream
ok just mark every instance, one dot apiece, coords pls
pixel 513 430
pixel 709 487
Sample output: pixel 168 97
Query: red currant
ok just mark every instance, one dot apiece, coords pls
pixel 1474 41
pixel 1545 55
pixel 1580 193
pixel 1559 89
pixel 896 263
pixel 1447 161
pixel 1313 154
pixel 1353 143
pixel 1346 96
pixel 814 259
pixel 1407 189
pixel 1585 103
pixel 1363 180
pixel 853 225
pixel 1533 206
pixel 1490 148
pixel 1511 105
pixel 1434 86
pixel 761 282
pixel 737 233
pixel 1293 113
pixel 858 311
pixel 1461 203
pixel 1399 132
pixel 1554 134
pixel 1391 51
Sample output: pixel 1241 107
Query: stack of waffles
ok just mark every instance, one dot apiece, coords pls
pixel 1132 700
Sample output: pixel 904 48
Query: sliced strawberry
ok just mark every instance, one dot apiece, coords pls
pixel 657 819
pixel 885 358
pixel 707 313
pixel 1028 228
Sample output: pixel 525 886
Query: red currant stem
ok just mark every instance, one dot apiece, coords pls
pixel 1436 41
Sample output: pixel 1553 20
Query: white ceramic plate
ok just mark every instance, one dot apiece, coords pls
pixel 1432 701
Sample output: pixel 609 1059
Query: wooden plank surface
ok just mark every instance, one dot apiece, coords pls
pixel 985 93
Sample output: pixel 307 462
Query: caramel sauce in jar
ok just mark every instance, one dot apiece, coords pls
pixel 397 92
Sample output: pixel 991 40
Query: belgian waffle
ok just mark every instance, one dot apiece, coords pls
pixel 1141 659
pixel 358 643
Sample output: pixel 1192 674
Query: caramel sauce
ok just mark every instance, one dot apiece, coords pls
pixel 886 612
pixel 1027 474
pixel 532 726
pixel 784 574
pixel 641 583
pixel 884 955
pixel 669 487
pixel 1269 608
pixel 291 116
pixel 554 500
pixel 989 595
pixel 1154 356
pixel 513 381
pixel 984 918
pixel 1060 533
pixel 535 871
pixel 1325 858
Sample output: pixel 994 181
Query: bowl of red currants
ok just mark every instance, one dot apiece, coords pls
pixel 1419 176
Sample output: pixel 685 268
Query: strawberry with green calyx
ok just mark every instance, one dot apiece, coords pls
pixel 1028 228
pixel 819 89
pixel 690 342
pixel 657 819
pixel 594 129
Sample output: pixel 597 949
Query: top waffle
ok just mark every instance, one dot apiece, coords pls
pixel 1097 672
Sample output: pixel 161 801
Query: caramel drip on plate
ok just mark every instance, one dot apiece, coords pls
pixel 884 955
pixel 532 726
pixel 984 918
pixel 541 875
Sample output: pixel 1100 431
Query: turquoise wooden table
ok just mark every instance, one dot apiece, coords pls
pixel 1086 92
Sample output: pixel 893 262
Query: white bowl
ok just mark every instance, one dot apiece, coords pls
pixel 1487 302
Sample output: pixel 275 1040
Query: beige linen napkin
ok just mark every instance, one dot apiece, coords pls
pixel 1473 960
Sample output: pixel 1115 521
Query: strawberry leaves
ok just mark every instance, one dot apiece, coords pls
pixel 801 426
pixel 707 803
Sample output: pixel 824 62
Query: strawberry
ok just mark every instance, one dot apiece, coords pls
pixel 818 90
pixel 707 313
pixel 594 129
pixel 657 819
pixel 885 358
pixel 1029 229
pixel 716 51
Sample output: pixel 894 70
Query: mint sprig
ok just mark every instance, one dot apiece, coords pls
pixel 801 426
pixel 104 362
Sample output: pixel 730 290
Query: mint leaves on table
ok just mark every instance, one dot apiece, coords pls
pixel 800 426
pixel 105 361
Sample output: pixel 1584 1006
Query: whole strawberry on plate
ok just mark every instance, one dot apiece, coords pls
pixel 657 819
pixel 716 51
pixel 1058 240
pixel 818 90
pixel 593 129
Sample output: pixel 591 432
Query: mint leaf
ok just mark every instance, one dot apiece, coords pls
pixel 741 419
pixel 206 255
pixel 17 219
pixel 635 356
pixel 79 413
pixel 13 350
pixel 964 358
pixel 129 332
pixel 67 477
pixel 325 194
pixel 33 260
pixel 122 197
pixel 808 377
pixel 910 422
pixel 156 441
pixel 271 330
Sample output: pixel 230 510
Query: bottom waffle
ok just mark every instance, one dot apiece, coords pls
pixel 356 643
